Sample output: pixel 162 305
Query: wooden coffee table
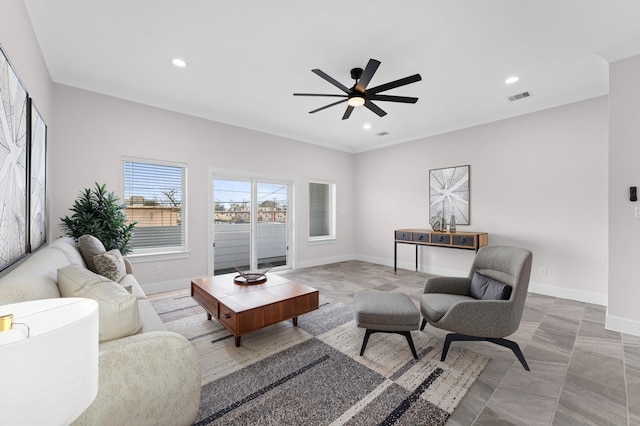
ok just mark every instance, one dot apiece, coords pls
pixel 246 308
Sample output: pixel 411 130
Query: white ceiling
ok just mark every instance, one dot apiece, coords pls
pixel 247 57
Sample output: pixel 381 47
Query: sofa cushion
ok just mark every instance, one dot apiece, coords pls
pixel 69 247
pixel 34 279
pixel 150 319
pixel 89 247
pixel 118 310
pixel 131 284
pixel 110 265
pixel 486 288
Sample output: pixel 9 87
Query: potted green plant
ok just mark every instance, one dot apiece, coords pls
pixel 99 213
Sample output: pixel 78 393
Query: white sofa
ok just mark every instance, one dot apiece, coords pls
pixel 148 378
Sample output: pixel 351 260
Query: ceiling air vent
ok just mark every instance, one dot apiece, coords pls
pixel 382 134
pixel 519 96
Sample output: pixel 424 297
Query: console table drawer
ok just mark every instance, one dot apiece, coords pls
pixel 402 235
pixel 443 239
pixel 228 318
pixel 464 241
pixel 420 237
pixel 210 304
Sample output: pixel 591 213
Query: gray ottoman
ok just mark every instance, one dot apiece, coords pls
pixel 387 312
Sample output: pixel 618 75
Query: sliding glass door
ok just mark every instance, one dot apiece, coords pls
pixel 250 224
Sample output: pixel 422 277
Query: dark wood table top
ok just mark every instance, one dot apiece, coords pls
pixel 241 297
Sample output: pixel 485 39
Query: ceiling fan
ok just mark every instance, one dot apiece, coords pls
pixel 359 95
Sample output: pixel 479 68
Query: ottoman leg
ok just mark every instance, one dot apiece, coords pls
pixel 407 334
pixel 364 342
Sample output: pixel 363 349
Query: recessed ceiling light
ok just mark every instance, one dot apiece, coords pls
pixel 366 126
pixel 180 63
pixel 512 79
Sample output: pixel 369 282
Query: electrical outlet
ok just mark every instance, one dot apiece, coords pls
pixel 542 271
pixel 637 212
pixel 159 269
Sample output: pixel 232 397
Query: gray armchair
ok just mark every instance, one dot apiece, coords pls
pixel 453 303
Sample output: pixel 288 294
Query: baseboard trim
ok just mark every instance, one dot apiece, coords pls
pixel 371 259
pixel 622 325
pixel 412 266
pixel 323 261
pixel 567 293
pixel 154 288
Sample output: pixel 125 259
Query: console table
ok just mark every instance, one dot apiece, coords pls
pixel 427 237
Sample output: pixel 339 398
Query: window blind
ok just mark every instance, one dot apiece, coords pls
pixel 320 210
pixel 154 194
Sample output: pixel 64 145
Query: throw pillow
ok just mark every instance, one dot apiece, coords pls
pixel 89 247
pixel 486 288
pixel 110 265
pixel 118 310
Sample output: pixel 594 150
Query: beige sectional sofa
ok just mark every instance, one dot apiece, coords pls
pixel 147 375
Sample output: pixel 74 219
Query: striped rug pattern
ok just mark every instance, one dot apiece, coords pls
pixel 313 374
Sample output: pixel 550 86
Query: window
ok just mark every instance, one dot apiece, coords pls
pixel 155 197
pixel 250 223
pixel 322 210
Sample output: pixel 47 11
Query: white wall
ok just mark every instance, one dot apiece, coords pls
pixel 555 181
pixel 19 41
pixel 94 131
pixel 537 181
pixel 623 312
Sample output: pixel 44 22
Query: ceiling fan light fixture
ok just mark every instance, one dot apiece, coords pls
pixel 356 101
pixel 359 95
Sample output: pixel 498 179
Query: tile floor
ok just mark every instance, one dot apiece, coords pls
pixel 581 373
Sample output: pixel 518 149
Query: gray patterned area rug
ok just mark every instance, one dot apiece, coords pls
pixel 313 374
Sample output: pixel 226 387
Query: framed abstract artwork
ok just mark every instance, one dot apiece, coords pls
pixel 449 194
pixel 13 164
pixel 37 179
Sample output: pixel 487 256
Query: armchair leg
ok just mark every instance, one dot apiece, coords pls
pixel 456 337
pixel 447 341
pixel 424 322
pixel 514 347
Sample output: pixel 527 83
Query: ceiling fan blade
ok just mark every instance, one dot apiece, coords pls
pixel 390 98
pixel 319 94
pixel 348 112
pixel 375 108
pixel 331 80
pixel 369 71
pixel 394 84
pixel 328 106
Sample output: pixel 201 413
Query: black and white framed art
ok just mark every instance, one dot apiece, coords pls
pixel 449 193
